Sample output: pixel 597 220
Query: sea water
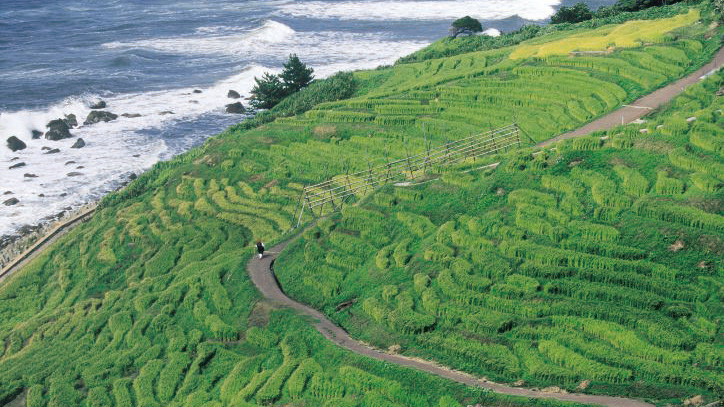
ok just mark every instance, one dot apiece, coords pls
pixel 150 59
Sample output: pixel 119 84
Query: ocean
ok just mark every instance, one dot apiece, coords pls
pixel 168 65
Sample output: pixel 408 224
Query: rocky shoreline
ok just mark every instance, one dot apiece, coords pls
pixel 14 244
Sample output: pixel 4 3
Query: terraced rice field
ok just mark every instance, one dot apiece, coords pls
pixel 600 260
pixel 148 303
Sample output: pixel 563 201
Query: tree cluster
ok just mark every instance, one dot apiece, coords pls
pixel 576 14
pixel 271 89
pixel 581 12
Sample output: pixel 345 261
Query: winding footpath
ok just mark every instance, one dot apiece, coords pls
pixel 262 274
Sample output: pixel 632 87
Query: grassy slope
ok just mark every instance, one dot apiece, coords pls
pixel 148 303
pixel 595 261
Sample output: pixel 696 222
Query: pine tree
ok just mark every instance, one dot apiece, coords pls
pixel 271 89
pixel 268 91
pixel 296 75
pixel 465 26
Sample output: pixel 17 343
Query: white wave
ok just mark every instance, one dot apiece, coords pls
pixel 119 147
pixel 318 49
pixel 271 32
pixel 422 10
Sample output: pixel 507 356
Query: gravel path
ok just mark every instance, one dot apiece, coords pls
pixel 644 105
pixel 262 275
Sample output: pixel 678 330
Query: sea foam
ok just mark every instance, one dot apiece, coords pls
pixel 422 10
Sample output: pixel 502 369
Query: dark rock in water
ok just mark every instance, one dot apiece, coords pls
pixel 80 167
pixel 16 144
pixel 41 195
pixel 45 148
pixel 101 104
pixel 28 175
pixel 37 134
pixel 131 115
pixel 57 130
pixel 197 90
pixel 165 112
pixel 74 174
pixel 14 158
pixel 98 116
pixel 236 108
pixel 196 102
pixel 233 94
pixel 132 176
pixel 63 194
pixel 78 143
pixel 11 201
pixel 53 151
pixel 18 165
pixel 8 193
pixel 69 162
pixel 71 120
pixel 136 155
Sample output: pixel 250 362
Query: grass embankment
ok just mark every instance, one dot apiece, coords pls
pixel 599 260
pixel 149 303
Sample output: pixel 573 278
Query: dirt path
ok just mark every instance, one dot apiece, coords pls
pixel 644 105
pixel 262 275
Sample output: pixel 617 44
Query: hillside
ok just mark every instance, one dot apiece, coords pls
pixel 597 260
pixel 148 303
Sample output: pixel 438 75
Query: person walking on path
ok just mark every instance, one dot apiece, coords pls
pixel 260 248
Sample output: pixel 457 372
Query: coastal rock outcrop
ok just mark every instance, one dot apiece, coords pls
pixel 98 116
pixel 74 174
pixel 235 108
pixel 78 143
pixel 71 120
pixel 11 201
pixel 29 175
pixel 57 130
pixel 37 134
pixel 15 144
pixel 18 165
pixel 101 104
pixel 131 115
pixel 165 112
pixel 197 90
pixel 53 151
pixel 233 94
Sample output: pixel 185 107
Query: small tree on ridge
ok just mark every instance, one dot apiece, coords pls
pixel 466 25
pixel 268 91
pixel 271 89
pixel 296 75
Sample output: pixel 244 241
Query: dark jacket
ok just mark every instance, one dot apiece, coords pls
pixel 260 247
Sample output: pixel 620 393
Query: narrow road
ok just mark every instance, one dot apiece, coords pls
pixel 643 106
pixel 262 275
pixel 49 238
